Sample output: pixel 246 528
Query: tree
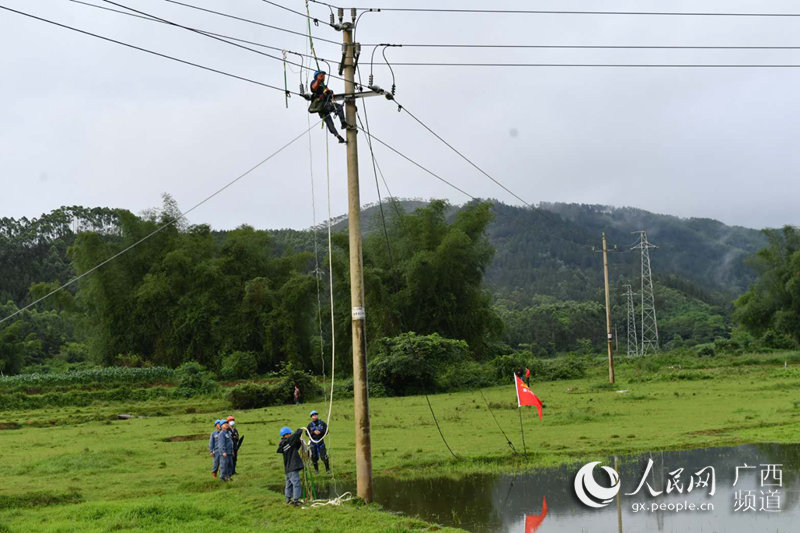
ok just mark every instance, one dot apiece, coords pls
pixel 432 282
pixel 772 303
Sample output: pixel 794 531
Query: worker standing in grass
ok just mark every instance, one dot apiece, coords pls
pixel 225 450
pixel 235 440
pixel 317 430
pixel 292 463
pixel 212 449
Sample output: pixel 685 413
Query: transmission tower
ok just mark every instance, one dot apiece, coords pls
pixel 633 339
pixel 649 324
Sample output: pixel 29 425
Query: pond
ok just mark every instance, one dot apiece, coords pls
pixel 545 500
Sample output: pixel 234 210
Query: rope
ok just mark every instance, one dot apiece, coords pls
pixel 496 422
pixel 285 80
pixel 330 282
pixel 310 38
pixel 339 500
pixel 316 246
pixel 440 429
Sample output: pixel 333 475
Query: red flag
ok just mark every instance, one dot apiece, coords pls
pixel 532 522
pixel 525 396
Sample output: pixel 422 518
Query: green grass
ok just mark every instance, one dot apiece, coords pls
pixel 80 469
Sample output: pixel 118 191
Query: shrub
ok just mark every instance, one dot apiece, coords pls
pixel 705 350
pixel 565 368
pixel 254 395
pixel 777 340
pixel 73 352
pixel 238 365
pixel 194 380
pixel 504 366
pixel 468 375
pixel 409 363
pixel 251 396
pixel 288 378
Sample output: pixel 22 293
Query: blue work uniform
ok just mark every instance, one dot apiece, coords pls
pixel 225 446
pixel 318 450
pixel 212 448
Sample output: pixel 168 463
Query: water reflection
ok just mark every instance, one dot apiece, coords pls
pixel 544 501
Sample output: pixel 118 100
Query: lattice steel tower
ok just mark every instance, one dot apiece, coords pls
pixel 649 324
pixel 633 339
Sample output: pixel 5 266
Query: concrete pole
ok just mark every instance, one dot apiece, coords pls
pixel 360 391
pixel 608 313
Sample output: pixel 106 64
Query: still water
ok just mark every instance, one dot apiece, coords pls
pixel 544 500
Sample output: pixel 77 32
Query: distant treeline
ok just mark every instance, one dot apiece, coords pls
pixel 500 278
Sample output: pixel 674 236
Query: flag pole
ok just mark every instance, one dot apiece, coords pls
pixel 519 411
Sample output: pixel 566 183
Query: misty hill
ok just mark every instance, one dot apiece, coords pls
pixel 552 250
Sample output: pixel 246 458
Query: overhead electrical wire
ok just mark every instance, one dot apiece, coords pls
pixel 418 165
pixel 158 229
pixel 464 157
pixel 220 39
pixel 222 35
pixel 573 12
pixel 315 20
pixel 600 65
pixel 147 50
pixel 593 46
pixel 249 21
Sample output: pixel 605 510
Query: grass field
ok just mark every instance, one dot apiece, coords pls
pixel 80 469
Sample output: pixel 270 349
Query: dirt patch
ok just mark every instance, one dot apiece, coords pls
pixel 185 438
pixel 9 425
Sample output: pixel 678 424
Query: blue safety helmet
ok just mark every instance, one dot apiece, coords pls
pixel 286 430
pixel 312 413
pixel 318 72
pixel 217 422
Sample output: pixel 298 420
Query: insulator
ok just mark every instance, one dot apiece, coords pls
pixel 394 89
pixel 371 79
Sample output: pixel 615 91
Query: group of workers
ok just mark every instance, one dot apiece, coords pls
pixel 223 446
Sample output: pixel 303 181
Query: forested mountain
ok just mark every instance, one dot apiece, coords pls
pixel 526 278
pixel 551 249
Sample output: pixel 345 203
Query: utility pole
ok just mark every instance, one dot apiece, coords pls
pixel 633 340
pixel 649 325
pixel 360 391
pixel 608 313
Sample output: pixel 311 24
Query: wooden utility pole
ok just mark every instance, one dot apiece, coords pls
pixel 608 313
pixel 360 392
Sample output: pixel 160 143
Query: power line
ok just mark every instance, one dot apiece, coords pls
pixel 220 39
pixel 602 65
pixel 579 12
pixel 151 19
pixel 594 46
pixel 290 10
pixel 438 177
pixel 160 228
pixel 249 21
pixel 153 52
pixel 465 158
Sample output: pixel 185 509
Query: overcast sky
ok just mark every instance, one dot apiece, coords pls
pixel 88 122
